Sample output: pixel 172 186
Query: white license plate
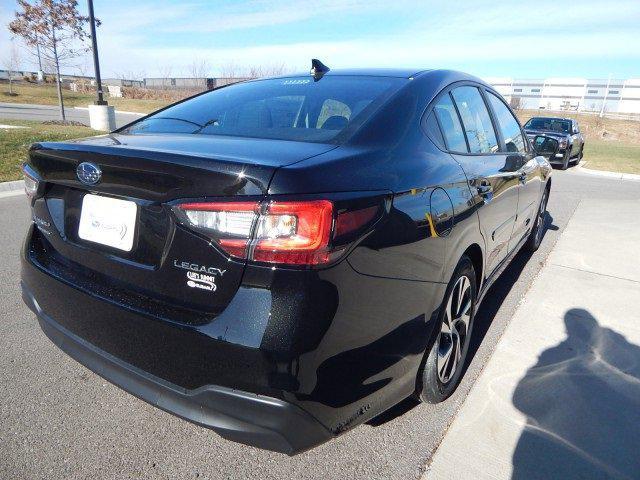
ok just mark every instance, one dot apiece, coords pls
pixel 108 221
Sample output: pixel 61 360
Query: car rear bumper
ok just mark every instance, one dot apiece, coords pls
pixel 293 341
pixel 244 417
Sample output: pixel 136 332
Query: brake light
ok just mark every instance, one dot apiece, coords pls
pixel 282 232
pixel 295 233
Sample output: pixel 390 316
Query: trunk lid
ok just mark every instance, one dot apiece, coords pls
pixel 153 171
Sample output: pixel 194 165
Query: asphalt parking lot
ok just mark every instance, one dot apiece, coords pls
pixel 59 420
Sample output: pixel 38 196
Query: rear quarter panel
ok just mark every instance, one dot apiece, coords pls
pixel 386 294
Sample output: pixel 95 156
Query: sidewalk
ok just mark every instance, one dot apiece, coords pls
pixel 560 397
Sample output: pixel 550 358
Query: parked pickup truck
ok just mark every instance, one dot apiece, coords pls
pixel 566 130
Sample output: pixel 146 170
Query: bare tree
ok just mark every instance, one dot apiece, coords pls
pixel 12 64
pixel 199 68
pixel 56 27
pixel 229 70
pixel 232 70
pixel 266 70
pixel 165 74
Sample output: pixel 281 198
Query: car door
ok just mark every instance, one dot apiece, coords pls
pixel 521 159
pixel 472 141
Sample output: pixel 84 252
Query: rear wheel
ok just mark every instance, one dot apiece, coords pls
pixel 444 362
pixel 539 226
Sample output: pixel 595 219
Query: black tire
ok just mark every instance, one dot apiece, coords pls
pixel 432 386
pixel 581 154
pixel 566 159
pixel 539 226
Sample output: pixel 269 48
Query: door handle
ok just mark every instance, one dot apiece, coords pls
pixel 522 176
pixel 485 190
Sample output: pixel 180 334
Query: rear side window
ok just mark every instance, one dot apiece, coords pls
pixel 295 108
pixel 508 125
pixel 434 132
pixel 476 120
pixel 451 127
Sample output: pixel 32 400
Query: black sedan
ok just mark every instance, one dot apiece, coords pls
pixel 284 259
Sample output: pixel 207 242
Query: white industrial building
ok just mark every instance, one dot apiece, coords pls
pixel 574 94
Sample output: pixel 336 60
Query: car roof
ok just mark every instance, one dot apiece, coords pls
pixel 365 72
pixel 556 118
pixel 437 76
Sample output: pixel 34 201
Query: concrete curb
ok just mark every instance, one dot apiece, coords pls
pixel 603 173
pixel 11 186
pixel 117 111
pixel 9 189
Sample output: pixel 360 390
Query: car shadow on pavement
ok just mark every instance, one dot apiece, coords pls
pixel 497 294
pixel 582 402
pixel 481 323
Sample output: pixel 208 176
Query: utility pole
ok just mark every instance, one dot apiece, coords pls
pixel 40 72
pixel 101 116
pixel 96 62
pixel 606 94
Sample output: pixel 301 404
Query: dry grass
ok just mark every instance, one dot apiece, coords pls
pixel 612 156
pixel 47 95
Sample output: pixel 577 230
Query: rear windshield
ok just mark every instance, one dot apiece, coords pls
pixel 550 124
pixel 296 108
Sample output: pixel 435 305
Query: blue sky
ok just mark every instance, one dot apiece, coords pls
pixel 533 39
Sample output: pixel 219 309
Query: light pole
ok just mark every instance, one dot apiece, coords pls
pixel 101 116
pixel 96 62
pixel 606 94
pixel 40 72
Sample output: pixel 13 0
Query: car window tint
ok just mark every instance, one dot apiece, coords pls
pixel 333 108
pixel 284 110
pixel 451 128
pixel 433 130
pixel 293 108
pixel 508 125
pixel 476 120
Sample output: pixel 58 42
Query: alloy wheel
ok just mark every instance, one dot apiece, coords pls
pixel 454 330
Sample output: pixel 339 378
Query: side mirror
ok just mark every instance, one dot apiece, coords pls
pixel 545 146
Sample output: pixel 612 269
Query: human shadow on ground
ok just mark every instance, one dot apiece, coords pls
pixel 582 402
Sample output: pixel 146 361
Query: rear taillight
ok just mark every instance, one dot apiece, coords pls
pixel 31 182
pixel 294 233
pixel 276 232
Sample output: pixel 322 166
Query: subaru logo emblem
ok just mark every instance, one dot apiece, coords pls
pixel 88 173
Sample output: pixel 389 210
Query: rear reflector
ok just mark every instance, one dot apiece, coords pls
pixel 278 232
pixel 31 183
pixel 348 222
